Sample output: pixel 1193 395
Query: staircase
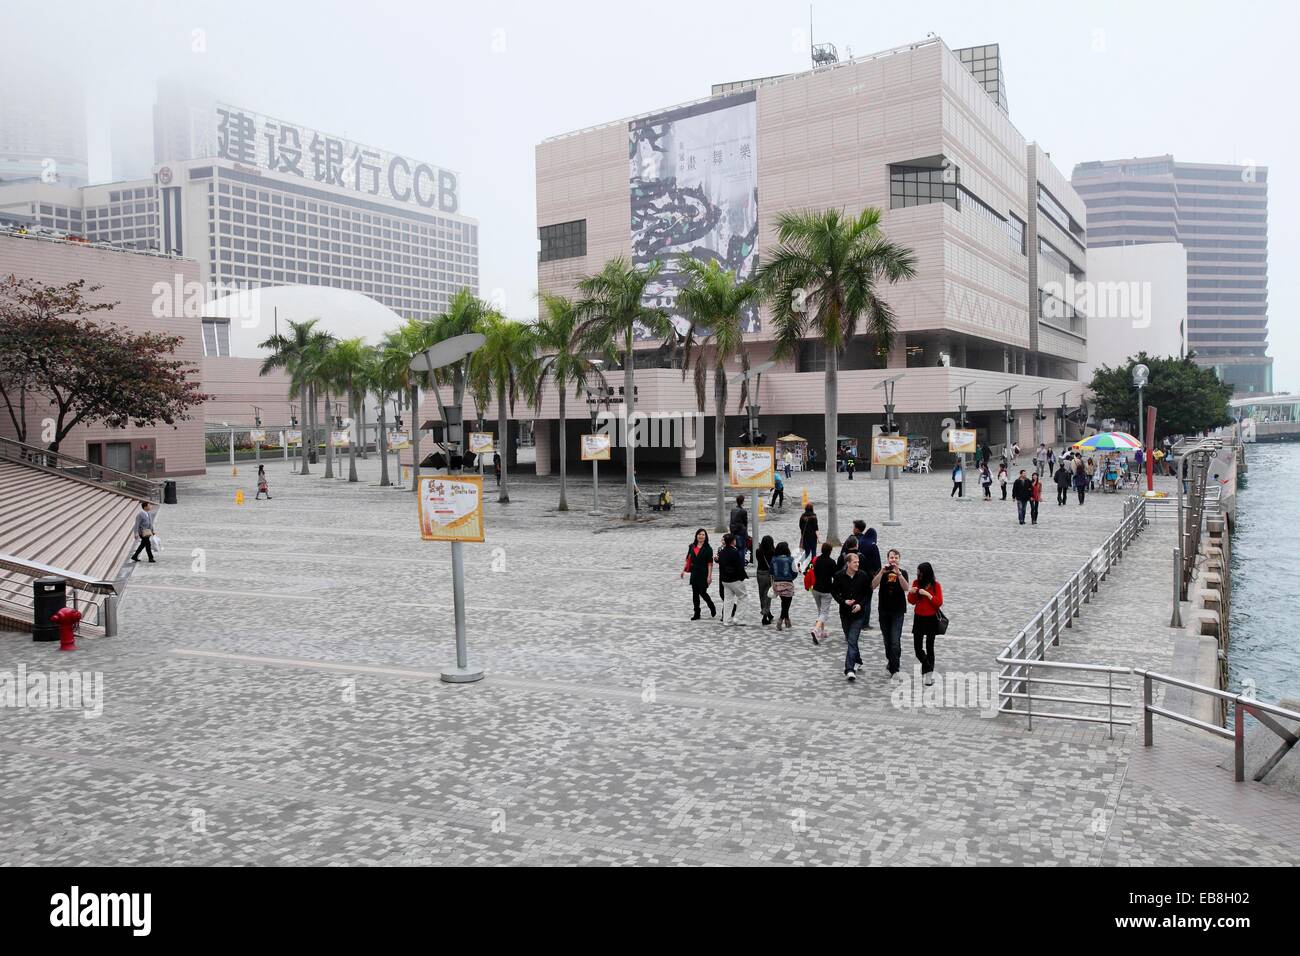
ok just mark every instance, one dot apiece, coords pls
pixel 63 517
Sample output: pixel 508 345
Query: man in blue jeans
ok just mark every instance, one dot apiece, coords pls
pixel 1022 491
pixel 851 589
pixel 891 582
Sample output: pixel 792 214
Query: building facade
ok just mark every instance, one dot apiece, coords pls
pixel 131 280
pixel 1219 213
pixel 42 124
pixel 911 131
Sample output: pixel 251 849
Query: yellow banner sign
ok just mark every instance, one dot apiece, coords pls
pixel 752 467
pixel 481 443
pixel 595 447
pixel 398 440
pixel 889 450
pixel 451 508
pixel 341 440
pixel 257 435
pixel 293 436
pixel 961 441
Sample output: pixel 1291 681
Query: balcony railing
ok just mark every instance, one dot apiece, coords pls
pixel 80 469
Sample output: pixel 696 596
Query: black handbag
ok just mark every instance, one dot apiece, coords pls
pixel 940 621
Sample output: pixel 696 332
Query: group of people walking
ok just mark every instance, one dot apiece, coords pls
pixel 1072 473
pixel 845 583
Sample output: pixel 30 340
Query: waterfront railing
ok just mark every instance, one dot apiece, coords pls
pixel 1029 647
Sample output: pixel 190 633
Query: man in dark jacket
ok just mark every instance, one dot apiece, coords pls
pixel 739 525
pixel 731 572
pixel 1022 490
pixel 851 589
pixel 891 583
pixel 1062 477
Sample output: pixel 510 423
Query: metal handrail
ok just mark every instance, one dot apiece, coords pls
pixel 1067 603
pixel 61 463
pixel 1244 706
pixel 106 591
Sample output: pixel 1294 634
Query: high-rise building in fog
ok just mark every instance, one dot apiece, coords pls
pixel 1219 213
pixel 42 126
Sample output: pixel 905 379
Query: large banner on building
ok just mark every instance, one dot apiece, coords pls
pixel 694 184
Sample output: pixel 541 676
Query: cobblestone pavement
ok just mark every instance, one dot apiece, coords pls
pixel 274 698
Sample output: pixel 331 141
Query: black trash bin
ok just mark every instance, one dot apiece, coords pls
pixel 49 595
pixel 169 492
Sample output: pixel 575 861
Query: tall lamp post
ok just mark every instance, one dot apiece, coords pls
pixel 1140 376
pixel 752 408
pixel 293 423
pixel 257 445
pixel 455 349
pixel 1008 417
pixel 594 397
pixel 961 420
pixel 888 386
pixel 397 426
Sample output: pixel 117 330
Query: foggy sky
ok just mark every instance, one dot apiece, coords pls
pixel 475 86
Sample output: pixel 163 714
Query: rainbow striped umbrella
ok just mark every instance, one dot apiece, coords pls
pixel 1110 441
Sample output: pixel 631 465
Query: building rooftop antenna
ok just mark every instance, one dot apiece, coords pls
pixel 822 53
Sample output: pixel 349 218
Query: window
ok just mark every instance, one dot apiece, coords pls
pixel 921 185
pixel 216 337
pixel 565 240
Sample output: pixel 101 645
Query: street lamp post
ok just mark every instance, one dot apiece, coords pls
pixel 257 445
pixel 752 410
pixel 888 386
pixel 1008 417
pixel 458 348
pixel 293 423
pixel 961 421
pixel 593 409
pixel 1140 376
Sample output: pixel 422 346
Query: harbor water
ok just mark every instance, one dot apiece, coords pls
pixel 1265 611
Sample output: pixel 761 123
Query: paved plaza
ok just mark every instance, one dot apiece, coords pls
pixel 273 698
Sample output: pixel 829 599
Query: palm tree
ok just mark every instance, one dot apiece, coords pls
pixel 465 313
pixel 561 358
pixel 505 356
pixel 821 280
pixel 296 353
pixel 346 369
pixel 715 303
pixel 323 375
pixel 395 370
pixel 400 348
pixel 611 308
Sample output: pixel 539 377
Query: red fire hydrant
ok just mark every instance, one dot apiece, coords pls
pixel 67 619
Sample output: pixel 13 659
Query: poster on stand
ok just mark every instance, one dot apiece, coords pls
pixel 595 447
pixel 889 450
pixel 451 508
pixel 752 467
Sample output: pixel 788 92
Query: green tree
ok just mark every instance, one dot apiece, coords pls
pixel 716 305
pixel 820 281
pixel 561 358
pixel 346 369
pixel 506 356
pixel 88 370
pixel 1189 398
pixel 465 313
pixel 611 307
pixel 294 353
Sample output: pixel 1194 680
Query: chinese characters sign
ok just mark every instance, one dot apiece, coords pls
pixel 451 508
pixel 257 140
pixel 595 447
pixel 481 443
pixel 961 441
pixel 889 450
pixel 752 467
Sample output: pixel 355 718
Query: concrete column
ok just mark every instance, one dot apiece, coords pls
pixel 898 351
pixel 542 433
pixel 690 450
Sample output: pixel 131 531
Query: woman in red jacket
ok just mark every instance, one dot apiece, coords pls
pixel 1035 498
pixel 926 596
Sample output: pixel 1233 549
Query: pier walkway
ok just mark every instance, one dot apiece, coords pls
pixel 273 698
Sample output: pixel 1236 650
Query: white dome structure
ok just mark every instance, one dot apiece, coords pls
pixel 255 313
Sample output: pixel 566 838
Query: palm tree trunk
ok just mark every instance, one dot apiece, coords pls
pixel 362 407
pixel 415 439
pixel 308 401
pixel 720 438
pixel 503 426
pixel 383 444
pixel 564 469
pixel 832 434
pixel 329 438
pixel 629 402
pixel 352 445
